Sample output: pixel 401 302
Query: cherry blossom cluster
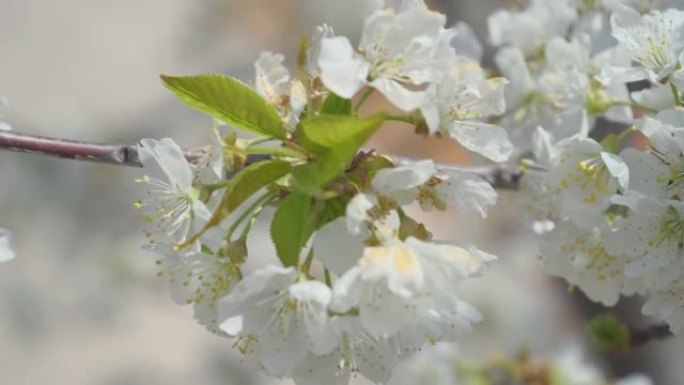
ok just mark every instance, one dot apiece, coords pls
pixel 360 284
pixel 607 204
pixel 355 284
pixel 444 364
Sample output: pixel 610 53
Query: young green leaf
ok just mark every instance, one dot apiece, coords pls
pixel 242 186
pixel 292 225
pixel 229 100
pixel 334 140
pixel 335 105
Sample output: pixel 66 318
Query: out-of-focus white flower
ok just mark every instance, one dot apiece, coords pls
pixel 659 172
pixel 551 94
pixel 274 84
pixel 197 278
pixel 433 187
pixel 579 256
pixel 398 48
pixel 651 235
pixel 668 304
pixel 466 43
pixel 358 352
pixel 654 40
pixel 586 178
pixel 279 320
pixel 458 103
pixel 322 32
pixel 6 251
pixel 532 27
pixel 443 364
pixel 175 207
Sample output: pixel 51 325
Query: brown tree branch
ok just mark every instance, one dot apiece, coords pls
pixel 501 176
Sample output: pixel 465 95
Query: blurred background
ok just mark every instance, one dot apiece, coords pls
pixel 82 304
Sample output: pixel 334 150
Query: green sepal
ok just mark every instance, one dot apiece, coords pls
pixel 609 333
pixel 228 100
pixel 610 144
pixel 335 105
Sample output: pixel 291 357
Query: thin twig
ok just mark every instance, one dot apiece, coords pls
pixel 502 176
pixel 123 155
pixel 658 331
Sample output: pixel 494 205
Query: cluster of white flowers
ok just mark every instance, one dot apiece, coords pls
pixel 374 286
pixel 443 364
pixel 406 54
pixel 361 285
pixel 608 206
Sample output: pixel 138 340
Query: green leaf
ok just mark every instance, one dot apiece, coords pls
pixel 291 227
pixel 609 333
pixel 334 140
pixel 228 100
pixel 242 186
pixel 335 105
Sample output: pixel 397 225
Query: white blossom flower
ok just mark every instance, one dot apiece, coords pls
pixel 668 304
pixel 553 94
pixel 651 236
pixel 278 319
pixel 6 251
pixel 586 177
pixel 409 288
pixel 532 27
pixel 197 278
pixel 358 352
pixel 274 84
pixel 402 48
pixel 658 172
pixel 578 255
pixel 654 40
pixel 458 103
pixel 176 205
pixel 433 187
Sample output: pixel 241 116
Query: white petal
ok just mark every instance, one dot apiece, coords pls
pixel 466 43
pixel 486 139
pixel 617 168
pixel 390 180
pixel 399 95
pixel 619 75
pixel 166 155
pixel 343 71
pixel 357 211
pixel 467 191
pixel 336 247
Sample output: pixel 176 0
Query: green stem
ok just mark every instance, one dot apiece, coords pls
pixel 304 268
pixel 401 118
pixel 256 141
pixel 675 93
pixel 256 205
pixel 364 97
pixel 328 280
pixel 625 134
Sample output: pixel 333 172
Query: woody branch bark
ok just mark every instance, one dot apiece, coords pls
pixel 502 176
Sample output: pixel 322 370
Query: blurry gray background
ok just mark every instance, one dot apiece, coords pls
pixel 82 304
